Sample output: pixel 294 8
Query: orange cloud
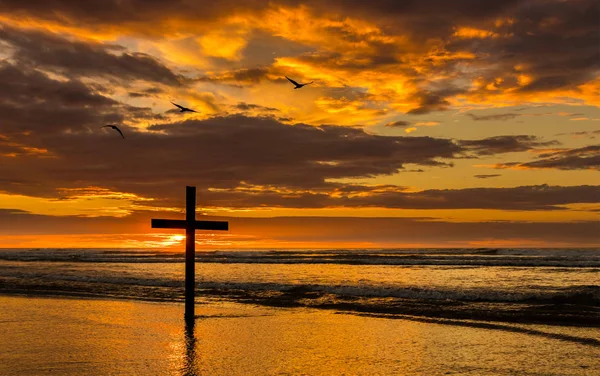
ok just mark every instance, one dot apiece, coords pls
pixel 471 32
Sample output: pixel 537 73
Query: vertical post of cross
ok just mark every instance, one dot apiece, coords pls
pixel 190 225
pixel 190 251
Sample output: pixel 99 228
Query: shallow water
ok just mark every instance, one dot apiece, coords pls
pixel 75 337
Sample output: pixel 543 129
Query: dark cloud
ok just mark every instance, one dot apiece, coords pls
pixel 243 106
pixel 487 176
pixel 399 123
pixel 589 134
pixel 381 231
pixel 225 157
pixel 84 59
pixel 150 92
pixel 434 100
pixel 31 101
pixel 542 197
pixel 373 55
pixel 431 18
pixel 216 152
pixel 504 144
pixel 263 49
pixel 148 17
pixel 241 77
pixel 554 42
pixel 421 20
pixel 428 102
pixel 571 159
pixel 501 117
pixel 37 109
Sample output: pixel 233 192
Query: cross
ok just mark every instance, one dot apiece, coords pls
pixel 190 225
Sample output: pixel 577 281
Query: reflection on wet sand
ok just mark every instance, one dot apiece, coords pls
pixel 76 337
pixel 189 366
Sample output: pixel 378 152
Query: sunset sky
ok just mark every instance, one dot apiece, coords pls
pixel 430 123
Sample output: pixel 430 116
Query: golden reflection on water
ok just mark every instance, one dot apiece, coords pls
pixel 100 337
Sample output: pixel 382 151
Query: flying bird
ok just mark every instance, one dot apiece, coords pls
pixel 183 109
pixel 297 85
pixel 115 128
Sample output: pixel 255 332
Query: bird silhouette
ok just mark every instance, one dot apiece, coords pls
pixel 297 85
pixel 115 128
pixel 183 109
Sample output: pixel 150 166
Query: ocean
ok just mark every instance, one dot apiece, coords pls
pixel 542 286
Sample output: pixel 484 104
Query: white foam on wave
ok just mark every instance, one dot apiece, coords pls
pixel 490 295
pixel 450 257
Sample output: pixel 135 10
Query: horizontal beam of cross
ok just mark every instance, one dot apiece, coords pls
pixel 197 225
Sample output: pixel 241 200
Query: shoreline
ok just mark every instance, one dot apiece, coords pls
pixel 572 315
pixel 71 336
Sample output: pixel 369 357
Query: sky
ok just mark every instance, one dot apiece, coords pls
pixel 429 123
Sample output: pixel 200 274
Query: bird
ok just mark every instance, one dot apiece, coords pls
pixel 183 109
pixel 115 128
pixel 298 86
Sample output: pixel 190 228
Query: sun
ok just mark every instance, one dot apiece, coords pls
pixel 176 238
pixel 167 240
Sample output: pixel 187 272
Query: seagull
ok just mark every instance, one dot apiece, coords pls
pixel 298 86
pixel 115 128
pixel 183 109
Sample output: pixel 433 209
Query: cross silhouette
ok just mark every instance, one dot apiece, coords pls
pixel 190 225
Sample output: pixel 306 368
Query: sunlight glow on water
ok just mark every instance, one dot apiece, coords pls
pixel 84 337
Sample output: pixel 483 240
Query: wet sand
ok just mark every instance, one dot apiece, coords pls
pixel 58 336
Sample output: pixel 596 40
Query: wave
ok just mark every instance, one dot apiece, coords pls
pixel 589 258
pixel 581 294
pixel 567 293
pixel 589 295
pixel 579 305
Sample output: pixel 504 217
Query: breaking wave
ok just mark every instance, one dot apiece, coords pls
pixel 450 257
pixel 547 286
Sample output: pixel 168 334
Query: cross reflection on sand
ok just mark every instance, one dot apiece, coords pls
pixel 189 365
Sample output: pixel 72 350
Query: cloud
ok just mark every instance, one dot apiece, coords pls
pixel 376 231
pixel 219 154
pixel 225 158
pixel 500 117
pixel 399 123
pixel 523 63
pixel 146 93
pixel 84 59
pixel 584 158
pixel 587 134
pixel 430 101
pixel 255 110
pixel 34 105
pixel 415 58
pixel 134 17
pixel 64 77
pixel 248 106
pixel 414 126
pixel 542 197
pixel 232 149
pixel 240 77
pixel 504 144
pixel 487 176
pixel 427 124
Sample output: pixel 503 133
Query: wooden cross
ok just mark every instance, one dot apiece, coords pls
pixel 190 225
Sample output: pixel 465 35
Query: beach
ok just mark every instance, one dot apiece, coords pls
pixel 66 336
pixel 301 312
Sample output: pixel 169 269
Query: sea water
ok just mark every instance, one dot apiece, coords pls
pixel 548 286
